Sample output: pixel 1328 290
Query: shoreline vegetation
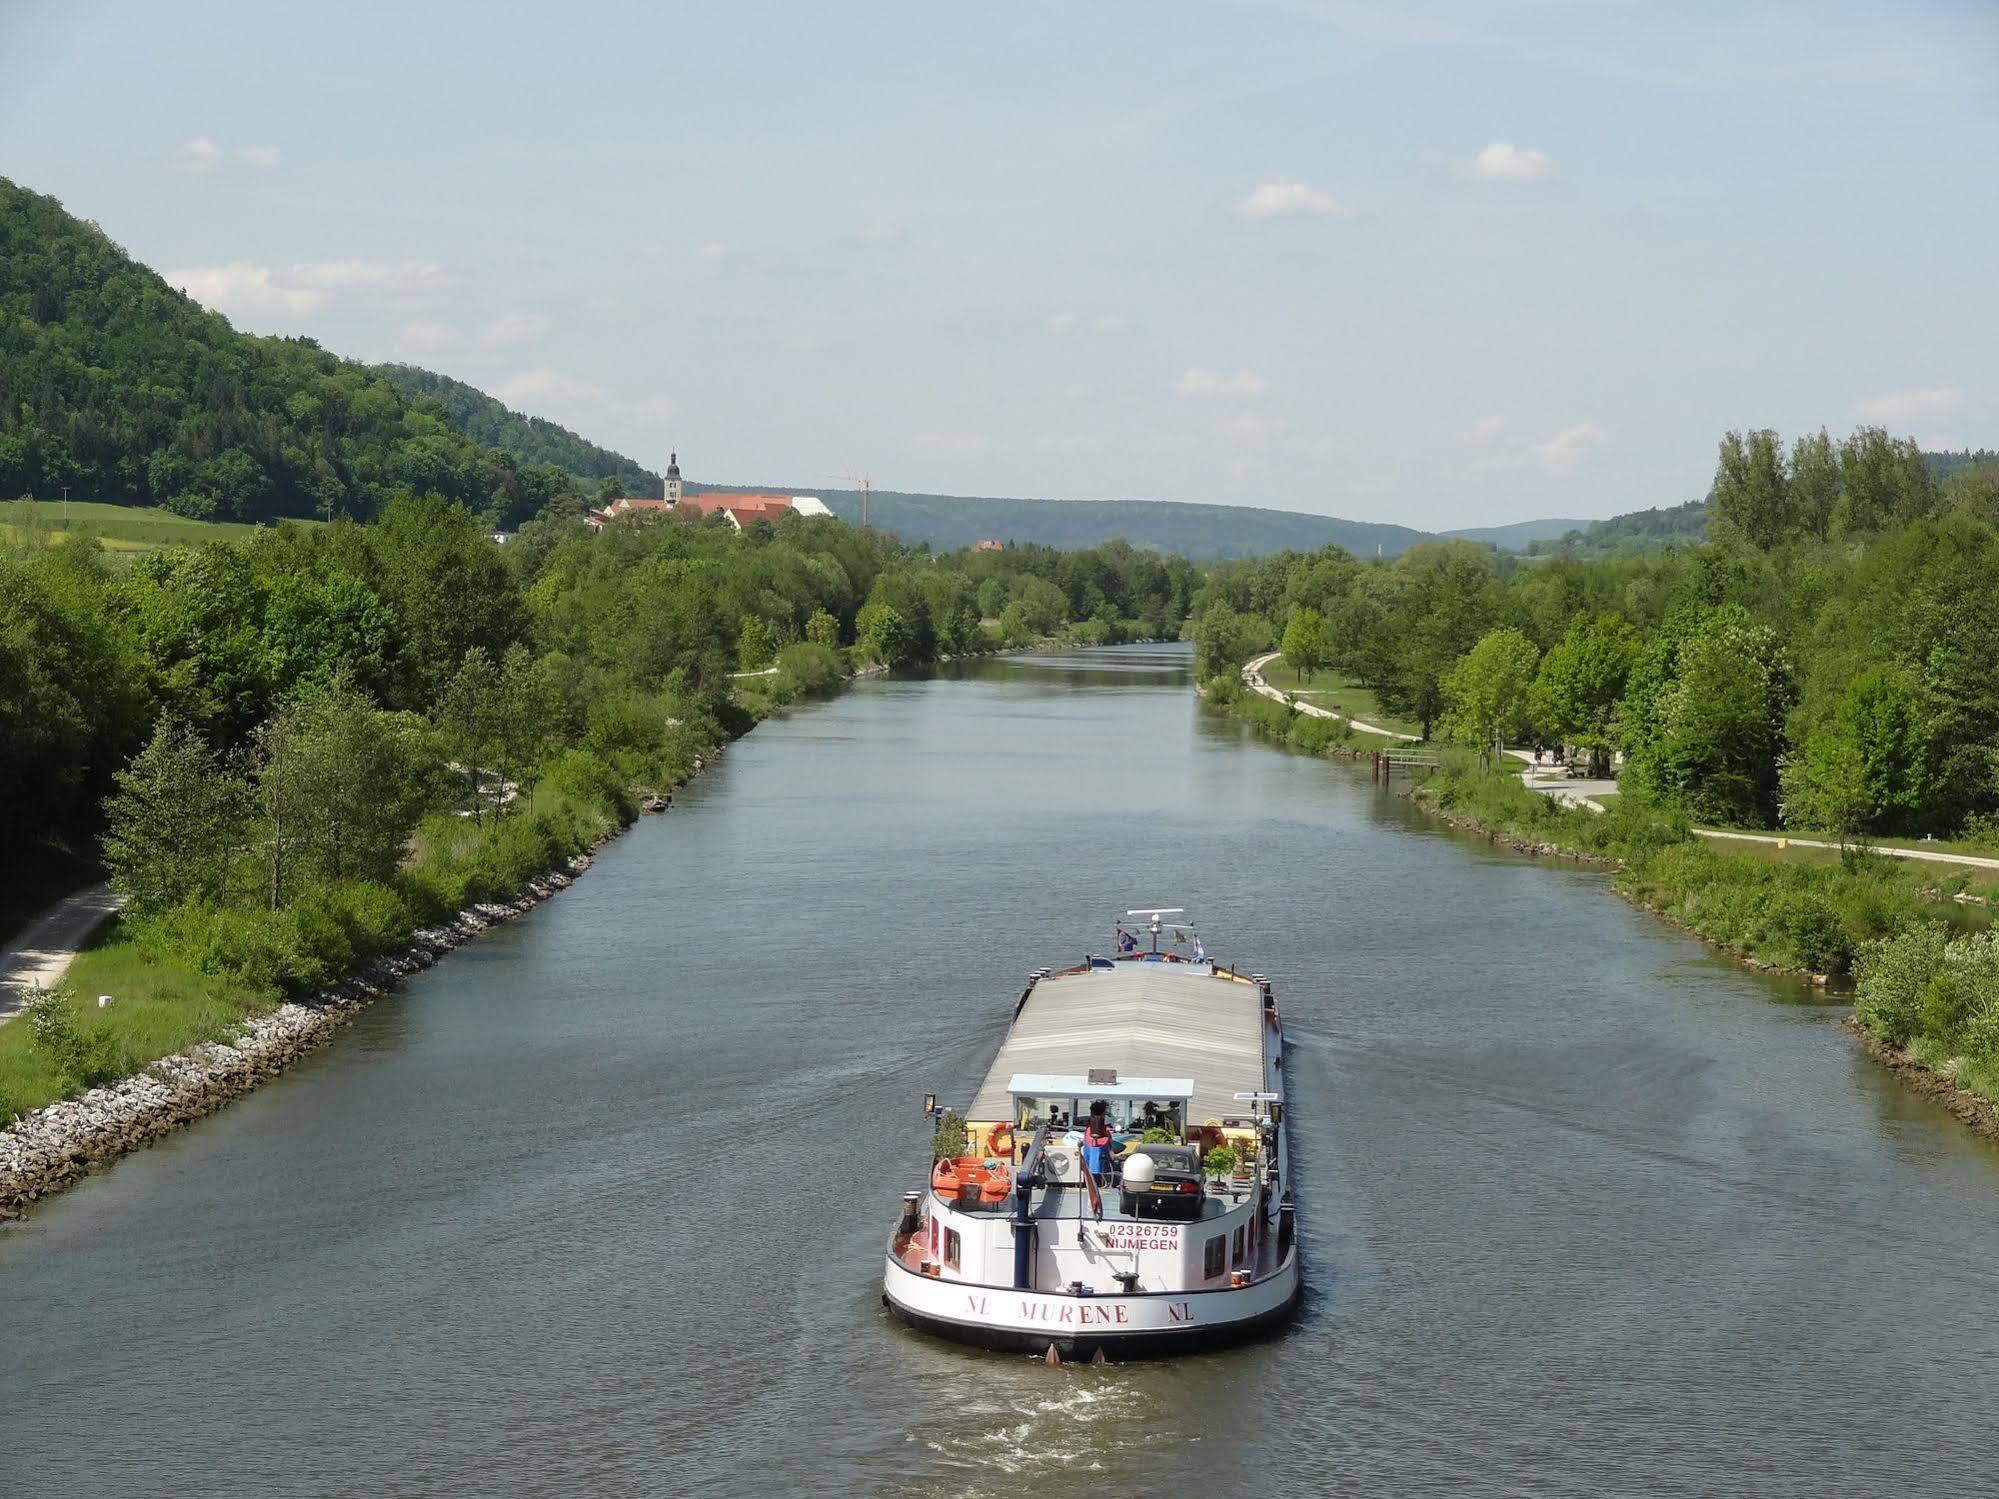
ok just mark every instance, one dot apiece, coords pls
pixel 303 750
pixel 1822 669
pixel 1895 935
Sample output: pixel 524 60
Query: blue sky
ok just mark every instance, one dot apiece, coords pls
pixel 1447 265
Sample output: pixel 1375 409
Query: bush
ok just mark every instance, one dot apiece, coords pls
pixel 1805 922
pixel 581 776
pixel 1894 974
pixel 80 1058
pixel 249 946
pixel 951 1139
pixel 809 667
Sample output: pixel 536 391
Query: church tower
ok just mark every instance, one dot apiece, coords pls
pixel 672 480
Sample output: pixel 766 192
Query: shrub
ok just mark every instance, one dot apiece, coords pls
pixel 951 1138
pixel 1805 923
pixel 1893 975
pixel 582 776
pixel 809 667
pixel 81 1058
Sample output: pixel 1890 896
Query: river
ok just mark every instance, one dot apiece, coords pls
pixel 596 1206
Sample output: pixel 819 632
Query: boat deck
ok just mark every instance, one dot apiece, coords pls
pixel 1143 1019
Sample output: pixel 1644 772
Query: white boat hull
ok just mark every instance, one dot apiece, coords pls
pixel 1138 1326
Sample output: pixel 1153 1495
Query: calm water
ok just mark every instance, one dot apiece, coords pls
pixel 597 1206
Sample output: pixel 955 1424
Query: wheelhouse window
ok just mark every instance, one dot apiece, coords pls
pixel 1213 1260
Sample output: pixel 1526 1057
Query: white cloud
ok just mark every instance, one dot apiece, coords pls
pixel 1288 197
pixel 369 275
pixel 1486 432
pixel 1561 454
pixel 951 444
pixel 1061 322
pixel 1246 384
pixel 512 328
pixel 1904 408
pixel 201 156
pixel 1249 426
pixel 1108 322
pixel 714 251
pixel 427 337
pixel 1077 391
pixel 546 387
pixel 655 410
pixel 241 289
pixel 1503 162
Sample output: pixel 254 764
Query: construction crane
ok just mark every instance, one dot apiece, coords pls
pixel 866 489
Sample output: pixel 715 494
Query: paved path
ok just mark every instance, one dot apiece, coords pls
pixel 1576 791
pixel 1583 792
pixel 41 953
pixel 1924 855
pixel 1252 676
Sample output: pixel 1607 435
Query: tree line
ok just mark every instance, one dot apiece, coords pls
pixel 115 386
pixel 1827 659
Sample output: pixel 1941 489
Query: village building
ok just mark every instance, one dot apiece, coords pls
pixel 742 510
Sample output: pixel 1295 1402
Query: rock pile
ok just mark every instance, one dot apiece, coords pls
pixel 46 1150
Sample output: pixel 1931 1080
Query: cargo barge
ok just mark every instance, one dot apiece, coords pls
pixel 1118 1185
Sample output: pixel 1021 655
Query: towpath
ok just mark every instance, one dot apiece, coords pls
pixel 1252 676
pixel 41 953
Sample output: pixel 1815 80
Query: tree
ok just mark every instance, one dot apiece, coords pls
pixel 822 629
pixel 525 716
pixel 885 635
pixel 1487 690
pixel 1224 639
pixel 467 714
pixel 1751 490
pixel 1864 771
pixel 756 644
pixel 173 822
pixel 1707 717
pixel 1815 483
pixel 1581 680
pixel 1305 642
pixel 1884 482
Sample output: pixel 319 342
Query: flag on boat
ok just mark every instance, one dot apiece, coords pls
pixel 1200 952
pixel 1125 941
pixel 1090 1181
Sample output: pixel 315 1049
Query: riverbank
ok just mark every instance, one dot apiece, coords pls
pixel 1817 915
pixel 50 1146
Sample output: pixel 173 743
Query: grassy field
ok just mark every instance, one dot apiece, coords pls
pixel 1337 694
pixel 125 530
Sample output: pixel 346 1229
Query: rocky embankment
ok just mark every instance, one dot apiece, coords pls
pixel 44 1151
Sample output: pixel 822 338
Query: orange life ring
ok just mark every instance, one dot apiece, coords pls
pixel 1000 1142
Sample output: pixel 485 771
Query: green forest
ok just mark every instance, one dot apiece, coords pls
pixel 1825 663
pixel 532 440
pixel 116 387
pixel 290 750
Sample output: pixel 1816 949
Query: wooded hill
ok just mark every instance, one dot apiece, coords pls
pixel 531 439
pixel 117 387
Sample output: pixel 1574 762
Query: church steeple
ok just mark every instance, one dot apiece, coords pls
pixel 672 479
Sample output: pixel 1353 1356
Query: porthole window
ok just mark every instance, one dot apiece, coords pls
pixel 1212 1261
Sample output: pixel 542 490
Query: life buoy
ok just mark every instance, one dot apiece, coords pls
pixel 1001 1140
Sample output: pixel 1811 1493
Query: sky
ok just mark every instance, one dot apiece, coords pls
pixel 1444 264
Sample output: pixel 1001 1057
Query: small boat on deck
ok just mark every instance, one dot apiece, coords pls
pixel 1118 1184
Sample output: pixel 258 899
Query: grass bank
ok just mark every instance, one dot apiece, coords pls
pixel 124 530
pixel 1284 723
pixel 196 974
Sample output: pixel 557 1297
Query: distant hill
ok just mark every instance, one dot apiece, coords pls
pixel 948 522
pixel 117 387
pixel 531 439
pixel 1518 536
pixel 1639 531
